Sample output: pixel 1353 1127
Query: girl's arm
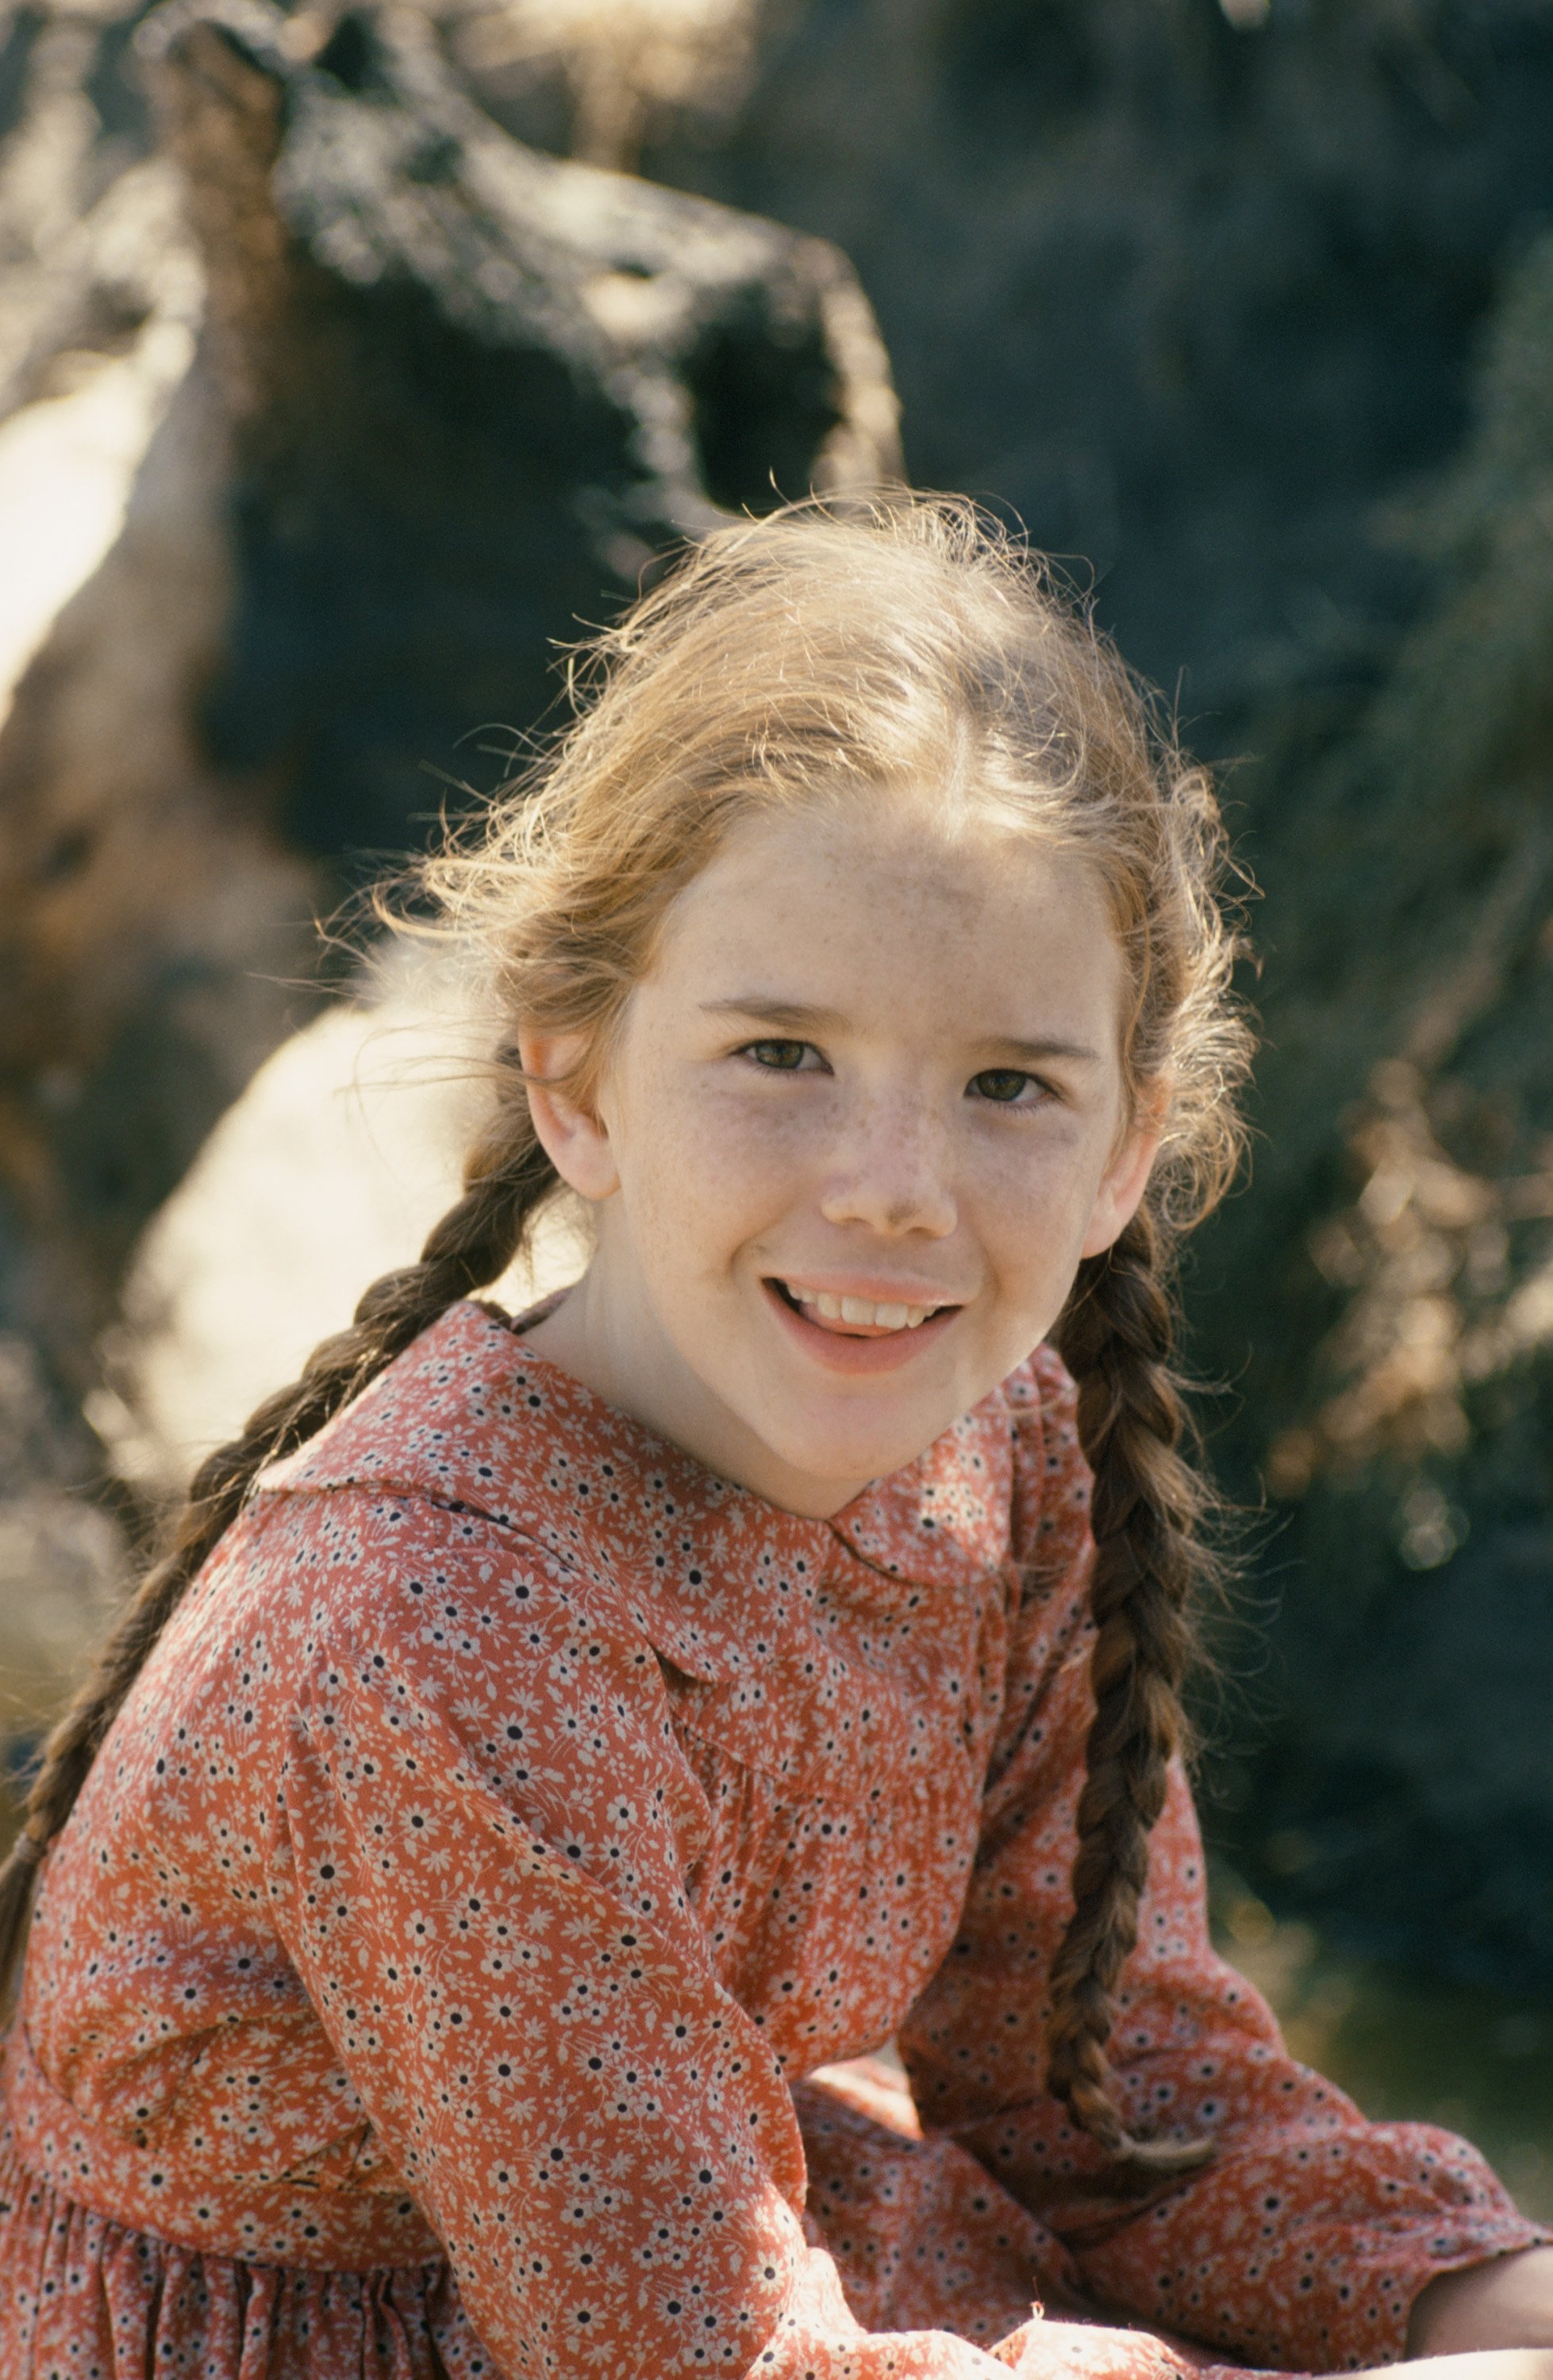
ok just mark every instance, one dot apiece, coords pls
pixel 1307 2240
pixel 1506 2304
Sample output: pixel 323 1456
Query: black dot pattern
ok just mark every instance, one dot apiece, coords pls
pixel 451 1969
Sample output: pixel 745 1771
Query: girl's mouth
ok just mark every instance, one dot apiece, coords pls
pixel 861 1315
pixel 856 1333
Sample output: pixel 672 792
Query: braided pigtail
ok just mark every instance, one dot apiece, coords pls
pixel 1115 1338
pixel 472 1246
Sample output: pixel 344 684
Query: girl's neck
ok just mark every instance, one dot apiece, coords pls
pixel 614 1345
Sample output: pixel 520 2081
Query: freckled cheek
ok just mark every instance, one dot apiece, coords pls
pixel 1028 1209
pixel 710 1175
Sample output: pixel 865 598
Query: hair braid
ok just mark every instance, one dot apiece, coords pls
pixel 470 1247
pixel 1116 1338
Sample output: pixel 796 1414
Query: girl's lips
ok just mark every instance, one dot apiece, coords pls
pixel 842 1350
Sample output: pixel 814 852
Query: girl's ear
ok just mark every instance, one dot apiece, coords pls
pixel 573 1137
pixel 1122 1184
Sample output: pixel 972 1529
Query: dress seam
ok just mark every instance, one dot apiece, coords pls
pixel 11 2157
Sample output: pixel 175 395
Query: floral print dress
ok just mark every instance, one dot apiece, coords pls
pixel 456 1960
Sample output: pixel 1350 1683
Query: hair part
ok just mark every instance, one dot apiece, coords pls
pixel 908 642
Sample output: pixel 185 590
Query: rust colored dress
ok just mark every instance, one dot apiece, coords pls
pixel 440 1971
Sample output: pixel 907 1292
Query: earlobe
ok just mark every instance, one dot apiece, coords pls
pixel 1121 1190
pixel 573 1137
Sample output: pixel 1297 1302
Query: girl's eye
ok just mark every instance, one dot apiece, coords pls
pixel 1005 1085
pixel 781 1057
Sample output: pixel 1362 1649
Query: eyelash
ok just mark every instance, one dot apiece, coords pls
pixel 762 1054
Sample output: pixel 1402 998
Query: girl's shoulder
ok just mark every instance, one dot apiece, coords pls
pixel 435 1422
pixel 484 1458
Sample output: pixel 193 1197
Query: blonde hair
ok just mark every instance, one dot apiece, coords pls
pixel 909 643
pixel 905 645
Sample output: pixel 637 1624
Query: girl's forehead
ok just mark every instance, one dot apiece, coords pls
pixel 826 858
pixel 865 906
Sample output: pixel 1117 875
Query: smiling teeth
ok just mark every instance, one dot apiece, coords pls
pixel 862 1310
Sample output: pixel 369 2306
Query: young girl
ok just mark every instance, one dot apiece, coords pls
pixel 554 1746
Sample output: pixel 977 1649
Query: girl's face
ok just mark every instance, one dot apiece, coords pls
pixel 861 1121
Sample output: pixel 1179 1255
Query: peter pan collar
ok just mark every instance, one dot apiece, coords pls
pixel 474 1417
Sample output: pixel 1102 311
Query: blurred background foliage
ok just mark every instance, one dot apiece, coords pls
pixel 348 356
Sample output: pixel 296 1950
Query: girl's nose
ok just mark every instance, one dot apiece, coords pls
pixel 892 1175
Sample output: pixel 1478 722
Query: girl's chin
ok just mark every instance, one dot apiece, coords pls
pixel 836 1453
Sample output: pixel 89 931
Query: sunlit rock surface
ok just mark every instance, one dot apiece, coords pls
pixel 330 1169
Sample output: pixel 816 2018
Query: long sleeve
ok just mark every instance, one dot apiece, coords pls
pixel 514 1829
pixel 1305 2240
pixel 479 1879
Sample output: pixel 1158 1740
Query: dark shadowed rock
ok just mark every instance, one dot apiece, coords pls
pixel 1399 1390
pixel 1194 297
pixel 473 392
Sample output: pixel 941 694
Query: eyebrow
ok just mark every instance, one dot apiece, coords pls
pixel 1036 1053
pixel 793 1017
pixel 791 1013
